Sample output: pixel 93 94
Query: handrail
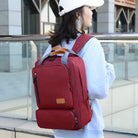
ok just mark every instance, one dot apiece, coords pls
pixel 117 36
pixel 110 36
pixel 23 37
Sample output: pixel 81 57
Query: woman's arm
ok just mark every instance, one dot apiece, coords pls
pixel 99 73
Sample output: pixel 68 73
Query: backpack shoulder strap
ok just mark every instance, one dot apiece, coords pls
pixel 80 42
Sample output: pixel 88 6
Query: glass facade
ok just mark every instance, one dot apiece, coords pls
pixel 30 17
pixel 124 56
pixel 18 57
pixel 39 18
pixel 124 19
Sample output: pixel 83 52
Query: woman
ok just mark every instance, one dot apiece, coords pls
pixel 77 14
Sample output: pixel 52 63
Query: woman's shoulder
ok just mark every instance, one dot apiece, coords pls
pixel 92 45
pixel 94 42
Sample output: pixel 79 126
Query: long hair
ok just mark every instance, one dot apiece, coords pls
pixel 67 29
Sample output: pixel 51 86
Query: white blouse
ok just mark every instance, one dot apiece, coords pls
pixel 99 75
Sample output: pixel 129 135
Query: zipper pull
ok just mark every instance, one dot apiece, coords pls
pixel 69 78
pixel 70 85
pixel 36 85
pixel 34 77
pixel 76 122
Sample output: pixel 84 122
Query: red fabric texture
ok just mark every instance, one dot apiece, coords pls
pixel 61 92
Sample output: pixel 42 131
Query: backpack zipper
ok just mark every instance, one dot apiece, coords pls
pixel 76 120
pixel 35 81
pixel 69 78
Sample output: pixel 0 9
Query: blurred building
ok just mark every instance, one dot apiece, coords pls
pixel 19 17
pixel 19 53
pixel 125 15
pixel 117 16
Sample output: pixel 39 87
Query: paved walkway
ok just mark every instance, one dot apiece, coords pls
pixel 30 127
pixel 118 135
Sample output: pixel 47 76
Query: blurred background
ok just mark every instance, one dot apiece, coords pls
pixel 24 28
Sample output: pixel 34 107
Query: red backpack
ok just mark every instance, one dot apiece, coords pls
pixel 61 89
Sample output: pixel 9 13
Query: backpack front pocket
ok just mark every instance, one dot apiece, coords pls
pixel 57 119
pixel 52 87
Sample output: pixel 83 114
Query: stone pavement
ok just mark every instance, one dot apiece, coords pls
pixel 29 129
pixel 108 134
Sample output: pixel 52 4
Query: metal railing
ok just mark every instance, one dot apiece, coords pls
pixel 123 47
pixel 19 53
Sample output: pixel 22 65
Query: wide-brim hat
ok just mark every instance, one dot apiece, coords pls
pixel 66 6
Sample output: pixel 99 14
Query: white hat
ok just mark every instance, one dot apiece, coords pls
pixel 69 5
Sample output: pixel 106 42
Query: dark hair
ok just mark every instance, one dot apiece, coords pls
pixel 67 29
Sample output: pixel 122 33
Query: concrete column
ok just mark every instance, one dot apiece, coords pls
pixel 4 17
pixel 10 24
pixel 136 23
pixel 105 17
pixel 14 17
pixel 10 17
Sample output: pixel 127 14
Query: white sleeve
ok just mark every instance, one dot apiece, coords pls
pixel 99 73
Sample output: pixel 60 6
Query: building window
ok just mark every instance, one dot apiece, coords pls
pixel 132 24
pixel 121 24
pixel 125 19
pixel 94 21
pixel 31 17
pixel 50 18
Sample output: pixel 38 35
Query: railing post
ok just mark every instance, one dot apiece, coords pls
pixel 126 60
pixel 33 60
